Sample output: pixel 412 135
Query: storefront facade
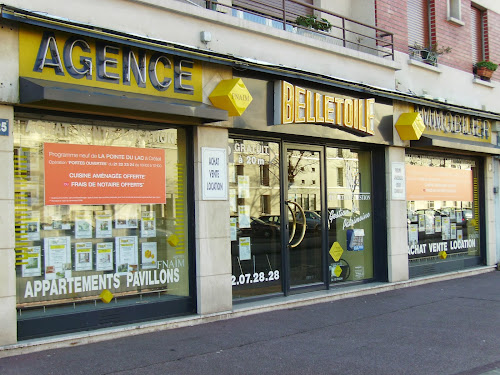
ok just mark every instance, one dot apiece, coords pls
pixel 148 181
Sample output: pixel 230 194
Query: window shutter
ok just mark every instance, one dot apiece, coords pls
pixel 476 34
pixel 418 22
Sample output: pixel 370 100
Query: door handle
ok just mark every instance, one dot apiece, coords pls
pixel 294 224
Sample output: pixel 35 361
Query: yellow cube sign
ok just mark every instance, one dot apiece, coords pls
pixel 410 126
pixel 106 296
pixel 231 95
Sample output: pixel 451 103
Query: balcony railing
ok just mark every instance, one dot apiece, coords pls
pixel 343 31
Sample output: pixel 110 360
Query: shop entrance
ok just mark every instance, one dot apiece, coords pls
pixel 300 215
pixel 302 207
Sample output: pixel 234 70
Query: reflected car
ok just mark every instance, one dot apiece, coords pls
pixel 313 220
pixel 259 228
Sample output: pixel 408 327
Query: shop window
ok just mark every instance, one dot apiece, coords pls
pixel 443 213
pixel 349 215
pixel 97 214
pixel 254 200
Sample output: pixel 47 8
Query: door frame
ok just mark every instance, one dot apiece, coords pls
pixel 286 285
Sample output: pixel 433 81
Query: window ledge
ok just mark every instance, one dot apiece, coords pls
pixel 483 83
pixel 456 21
pixel 424 65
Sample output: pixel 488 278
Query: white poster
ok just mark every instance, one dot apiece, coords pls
pixel 33 267
pixel 429 222
pixel 243 187
pixel 57 253
pixel 244 216
pixel 149 255
pixel 214 173
pixel 460 234
pixel 398 178
pixel 445 228
pixel 421 223
pixel 83 224
pixel 232 200
pixel 104 256
pixel 245 248
pixel 453 231
pixel 83 256
pixel 412 234
pixel 126 254
pixel 438 224
pixel 233 228
pixel 148 224
pixel 33 225
pixel 103 226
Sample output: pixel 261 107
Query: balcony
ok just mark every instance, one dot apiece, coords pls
pixel 310 21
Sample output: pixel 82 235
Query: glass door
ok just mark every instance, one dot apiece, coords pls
pixel 302 205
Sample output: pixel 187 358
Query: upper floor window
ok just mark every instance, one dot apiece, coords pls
pixel 455 11
pixel 477 34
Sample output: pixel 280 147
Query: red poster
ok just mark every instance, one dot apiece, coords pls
pixel 82 174
pixel 438 184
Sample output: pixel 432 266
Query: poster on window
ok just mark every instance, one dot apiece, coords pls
pixel 149 255
pixel 90 174
pixel 412 235
pixel 33 266
pixel 57 254
pixel 244 216
pixel 243 187
pixel 233 228
pixel 33 225
pixel 148 224
pixel 104 256
pixel 126 254
pixel 103 226
pixel 245 249
pixel 429 222
pixel 355 239
pixel 438 224
pixel 83 256
pixel 445 228
pixel 421 222
pixel 453 231
pixel 83 224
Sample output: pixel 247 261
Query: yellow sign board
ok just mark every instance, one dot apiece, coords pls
pixel 61 57
pixel 297 105
pixel 336 251
pixel 454 125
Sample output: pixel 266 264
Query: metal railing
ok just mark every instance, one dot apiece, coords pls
pixel 344 31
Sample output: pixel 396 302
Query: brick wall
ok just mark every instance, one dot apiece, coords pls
pixel 390 15
pixel 493 35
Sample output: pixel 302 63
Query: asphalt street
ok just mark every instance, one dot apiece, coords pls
pixel 446 327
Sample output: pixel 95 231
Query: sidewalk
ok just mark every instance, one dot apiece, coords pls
pixel 444 327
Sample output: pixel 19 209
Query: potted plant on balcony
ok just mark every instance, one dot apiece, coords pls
pixel 484 69
pixel 312 22
pixel 428 54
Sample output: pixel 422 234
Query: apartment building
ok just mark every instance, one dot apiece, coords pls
pixel 171 158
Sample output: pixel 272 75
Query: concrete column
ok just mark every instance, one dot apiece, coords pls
pixel 8 321
pixel 213 242
pixel 397 243
pixel 489 183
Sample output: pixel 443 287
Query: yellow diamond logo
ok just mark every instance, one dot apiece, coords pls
pixel 337 271
pixel 231 95
pixel 173 240
pixel 336 251
pixel 442 254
